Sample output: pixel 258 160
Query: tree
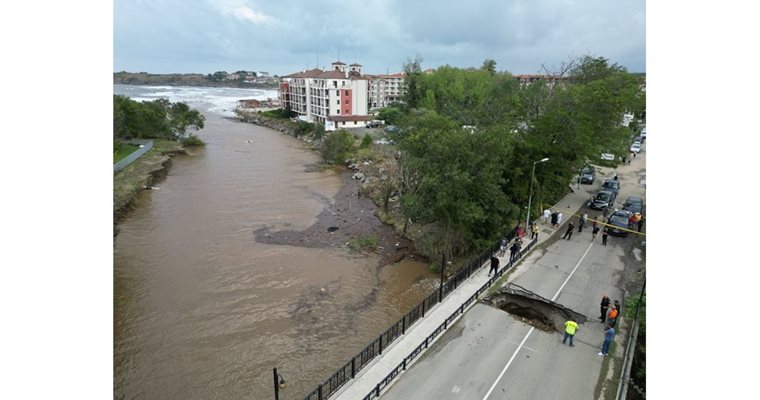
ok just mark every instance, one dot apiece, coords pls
pixel 391 115
pixel 181 117
pixel 412 77
pixel 489 65
pixel 337 147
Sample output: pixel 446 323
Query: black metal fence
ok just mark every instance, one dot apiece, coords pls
pixel 374 349
pixel 441 328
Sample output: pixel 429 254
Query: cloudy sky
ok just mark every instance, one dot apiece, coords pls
pixel 284 36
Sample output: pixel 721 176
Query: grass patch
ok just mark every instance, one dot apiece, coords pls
pixel 123 151
pixel 363 243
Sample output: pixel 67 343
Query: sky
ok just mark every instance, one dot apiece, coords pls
pixel 286 36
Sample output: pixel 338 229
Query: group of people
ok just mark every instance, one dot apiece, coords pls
pixel 609 314
pixel 514 250
pixel 583 221
pixel 554 217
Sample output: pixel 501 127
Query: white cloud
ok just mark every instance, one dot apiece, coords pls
pixel 251 15
pixel 241 10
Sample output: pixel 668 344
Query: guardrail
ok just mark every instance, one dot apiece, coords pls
pixel 441 328
pixel 123 163
pixel 358 362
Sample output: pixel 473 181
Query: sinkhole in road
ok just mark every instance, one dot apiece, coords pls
pixel 533 309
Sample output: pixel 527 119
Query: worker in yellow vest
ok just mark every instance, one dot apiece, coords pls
pixel 570 328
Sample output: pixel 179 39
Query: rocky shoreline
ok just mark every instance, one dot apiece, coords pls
pixel 350 216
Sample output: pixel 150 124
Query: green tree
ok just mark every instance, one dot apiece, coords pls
pixel 412 77
pixel 391 115
pixel 337 147
pixel 489 65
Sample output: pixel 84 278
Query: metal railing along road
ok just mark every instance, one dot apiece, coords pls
pixel 374 349
pixel 445 325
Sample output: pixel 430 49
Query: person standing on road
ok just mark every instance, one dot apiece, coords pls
pixel 570 328
pixel 641 223
pixel 559 220
pixel 546 216
pixel 494 265
pixel 594 231
pixel 503 247
pixel 534 229
pixel 612 316
pixel 603 306
pixel 569 232
pixel 554 219
pixel 582 222
pixel 604 236
pixel 609 335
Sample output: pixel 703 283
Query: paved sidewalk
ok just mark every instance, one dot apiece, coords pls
pixel 378 369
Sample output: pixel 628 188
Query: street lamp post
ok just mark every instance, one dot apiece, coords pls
pixel 530 196
pixel 279 383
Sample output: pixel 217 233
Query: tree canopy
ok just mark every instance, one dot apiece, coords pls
pixel 158 119
pixel 474 183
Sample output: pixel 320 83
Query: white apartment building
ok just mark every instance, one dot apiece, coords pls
pixel 385 89
pixel 336 98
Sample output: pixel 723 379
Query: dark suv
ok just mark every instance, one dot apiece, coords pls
pixel 588 174
pixel 602 200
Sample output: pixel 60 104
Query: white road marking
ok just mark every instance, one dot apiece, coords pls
pixel 531 329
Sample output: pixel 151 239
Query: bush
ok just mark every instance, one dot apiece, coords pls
pixel 192 141
pixel 337 147
pixel 319 131
pixel 366 141
pixel 303 128
pixel 363 243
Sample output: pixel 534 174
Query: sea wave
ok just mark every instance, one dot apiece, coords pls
pixel 221 101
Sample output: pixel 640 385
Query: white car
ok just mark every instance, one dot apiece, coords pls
pixel 635 147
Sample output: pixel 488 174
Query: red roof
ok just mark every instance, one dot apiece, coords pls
pixel 312 73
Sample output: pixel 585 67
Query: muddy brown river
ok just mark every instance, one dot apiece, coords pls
pixel 203 311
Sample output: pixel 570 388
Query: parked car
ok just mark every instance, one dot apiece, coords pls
pixel 634 204
pixel 618 220
pixel 644 134
pixel 611 185
pixel 602 200
pixel 588 174
pixel 635 147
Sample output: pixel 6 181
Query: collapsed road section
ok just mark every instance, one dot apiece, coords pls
pixel 533 309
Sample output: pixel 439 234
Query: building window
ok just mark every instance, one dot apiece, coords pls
pixel 354 122
pixel 348 101
pixel 338 111
pixel 338 101
pixel 347 111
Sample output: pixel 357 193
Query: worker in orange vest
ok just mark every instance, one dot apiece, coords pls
pixel 612 315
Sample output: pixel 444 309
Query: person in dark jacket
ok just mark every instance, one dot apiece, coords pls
pixel 603 306
pixel 569 232
pixel 494 265
pixel 605 232
pixel 514 250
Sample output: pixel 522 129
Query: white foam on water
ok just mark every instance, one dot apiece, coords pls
pixel 221 101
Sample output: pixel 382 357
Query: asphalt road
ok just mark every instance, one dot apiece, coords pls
pixel 488 354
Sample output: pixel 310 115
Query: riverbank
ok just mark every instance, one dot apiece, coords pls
pixel 144 173
pixel 353 219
